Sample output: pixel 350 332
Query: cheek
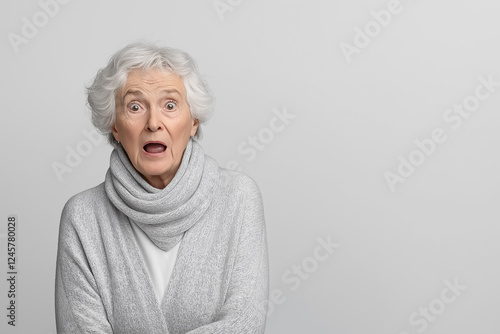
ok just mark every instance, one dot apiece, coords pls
pixel 179 128
pixel 128 126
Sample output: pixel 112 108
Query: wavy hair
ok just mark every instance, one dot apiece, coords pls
pixel 145 56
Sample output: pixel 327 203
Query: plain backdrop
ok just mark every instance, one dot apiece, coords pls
pixel 362 82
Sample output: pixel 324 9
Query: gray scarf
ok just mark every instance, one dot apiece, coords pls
pixel 163 214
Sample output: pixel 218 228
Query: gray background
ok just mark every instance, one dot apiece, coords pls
pixel 322 175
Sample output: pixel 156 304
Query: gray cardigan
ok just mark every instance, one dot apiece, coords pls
pixel 220 279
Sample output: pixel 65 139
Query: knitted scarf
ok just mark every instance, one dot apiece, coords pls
pixel 163 214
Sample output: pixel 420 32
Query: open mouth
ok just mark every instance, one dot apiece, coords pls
pixel 154 147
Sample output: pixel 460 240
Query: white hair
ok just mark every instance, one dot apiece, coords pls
pixel 146 56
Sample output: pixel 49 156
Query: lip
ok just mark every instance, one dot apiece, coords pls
pixel 154 154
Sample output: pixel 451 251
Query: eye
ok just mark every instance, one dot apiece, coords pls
pixel 171 105
pixel 134 107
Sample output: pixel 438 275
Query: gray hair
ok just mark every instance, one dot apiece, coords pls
pixel 145 56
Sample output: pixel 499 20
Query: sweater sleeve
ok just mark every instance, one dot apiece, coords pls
pixel 245 308
pixel 79 308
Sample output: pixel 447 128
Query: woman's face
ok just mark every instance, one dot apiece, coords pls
pixel 154 123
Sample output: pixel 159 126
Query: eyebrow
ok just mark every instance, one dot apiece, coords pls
pixel 139 93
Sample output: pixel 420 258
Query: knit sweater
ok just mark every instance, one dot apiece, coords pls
pixel 220 280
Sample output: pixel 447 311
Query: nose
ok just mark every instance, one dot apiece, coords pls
pixel 153 122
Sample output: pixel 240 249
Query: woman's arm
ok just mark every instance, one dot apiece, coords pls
pixel 245 308
pixel 79 308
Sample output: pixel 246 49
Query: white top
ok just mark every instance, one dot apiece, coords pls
pixel 159 263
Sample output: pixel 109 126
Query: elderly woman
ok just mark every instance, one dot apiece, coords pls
pixel 170 242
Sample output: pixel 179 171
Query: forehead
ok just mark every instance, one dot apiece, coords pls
pixel 154 80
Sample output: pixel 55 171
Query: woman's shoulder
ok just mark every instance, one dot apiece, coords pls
pixel 238 184
pixel 85 203
pixel 242 196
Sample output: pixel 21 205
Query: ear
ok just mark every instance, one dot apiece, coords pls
pixel 115 132
pixel 195 125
